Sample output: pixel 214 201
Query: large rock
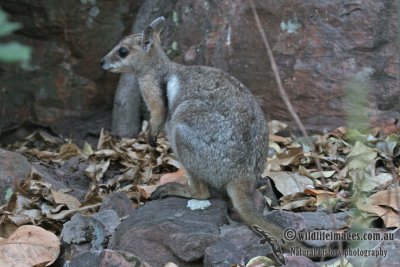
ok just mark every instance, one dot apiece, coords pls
pixel 84 230
pixel 319 47
pixel 84 237
pixel 238 244
pixel 64 77
pixel 13 169
pixel 119 203
pixel 109 258
pixel 167 231
pixel 386 252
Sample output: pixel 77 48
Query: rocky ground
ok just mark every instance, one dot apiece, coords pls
pixel 97 200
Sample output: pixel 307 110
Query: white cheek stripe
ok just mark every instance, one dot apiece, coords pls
pixel 172 89
pixel 121 63
pixel 116 64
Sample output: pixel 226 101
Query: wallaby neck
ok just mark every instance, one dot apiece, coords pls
pixel 158 68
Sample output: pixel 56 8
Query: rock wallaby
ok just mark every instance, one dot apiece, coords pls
pixel 214 124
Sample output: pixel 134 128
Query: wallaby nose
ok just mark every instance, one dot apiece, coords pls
pixel 102 61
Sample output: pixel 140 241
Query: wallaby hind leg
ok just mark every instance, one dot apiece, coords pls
pixel 194 189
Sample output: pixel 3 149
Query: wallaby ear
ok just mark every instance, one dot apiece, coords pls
pixel 158 25
pixel 147 38
pixel 152 32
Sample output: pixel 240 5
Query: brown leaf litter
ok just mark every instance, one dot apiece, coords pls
pixel 359 172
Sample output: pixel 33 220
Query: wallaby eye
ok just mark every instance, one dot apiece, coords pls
pixel 122 52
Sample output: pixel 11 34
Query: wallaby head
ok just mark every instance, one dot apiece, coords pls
pixel 134 52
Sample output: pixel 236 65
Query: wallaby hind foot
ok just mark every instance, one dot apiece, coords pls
pixel 194 189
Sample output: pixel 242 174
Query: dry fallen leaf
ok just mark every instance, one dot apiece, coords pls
pixel 390 217
pixel 389 197
pixel 288 157
pixel 134 168
pixel 280 139
pixel 43 155
pixel 339 132
pixel 146 190
pixel 360 156
pixel 97 170
pixel 66 214
pixel 69 150
pixel 305 204
pixel 28 246
pixel 367 179
pixel 87 150
pixel 326 174
pixel 315 192
pixel 289 183
pixel 326 200
pixel 260 261
pixel 63 198
pixel 276 126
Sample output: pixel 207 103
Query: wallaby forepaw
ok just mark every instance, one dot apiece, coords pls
pixel 152 140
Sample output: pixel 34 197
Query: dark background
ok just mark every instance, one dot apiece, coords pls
pixel 320 46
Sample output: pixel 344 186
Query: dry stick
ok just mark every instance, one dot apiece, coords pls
pixel 289 106
pixel 283 93
pixel 3 111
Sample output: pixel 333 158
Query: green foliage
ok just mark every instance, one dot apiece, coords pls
pixel 353 135
pixel 356 105
pixel 6 26
pixel 13 51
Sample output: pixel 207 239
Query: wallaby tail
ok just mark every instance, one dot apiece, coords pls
pixel 242 200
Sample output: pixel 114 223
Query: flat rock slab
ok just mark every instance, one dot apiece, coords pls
pixel 107 257
pixel 168 231
pixel 323 220
pixel 387 252
pixel 237 245
pixel 119 203
pixel 14 167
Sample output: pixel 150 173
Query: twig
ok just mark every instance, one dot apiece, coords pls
pixel 281 90
pixel 283 94
pixel 3 110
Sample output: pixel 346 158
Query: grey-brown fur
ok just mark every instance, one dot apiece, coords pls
pixel 214 124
